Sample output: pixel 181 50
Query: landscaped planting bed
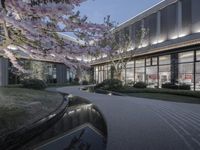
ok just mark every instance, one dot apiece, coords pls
pixel 19 106
pixel 162 94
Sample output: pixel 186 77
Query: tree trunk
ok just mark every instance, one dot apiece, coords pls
pixel 118 75
pixel 2 4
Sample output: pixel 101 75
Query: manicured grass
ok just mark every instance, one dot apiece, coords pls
pixel 163 94
pixel 19 106
pixel 61 85
pixel 166 97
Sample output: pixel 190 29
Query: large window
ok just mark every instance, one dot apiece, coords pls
pixel 148 62
pixel 140 70
pixel 123 75
pixel 109 71
pixel 105 72
pixel 186 57
pixel 154 61
pixel 100 74
pixel 50 71
pixel 71 75
pixel 198 76
pixel 140 63
pixel 198 55
pixel 130 72
pixel 198 70
pixel 152 72
pixel 96 74
pixel 152 76
pixel 186 68
pixel 164 69
pixel 186 73
pixel 140 74
pixel 165 60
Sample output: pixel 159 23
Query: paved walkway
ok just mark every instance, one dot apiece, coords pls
pixel 144 124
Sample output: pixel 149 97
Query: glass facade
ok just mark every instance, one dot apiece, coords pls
pixel 140 70
pixel 186 68
pixel 152 72
pixel 102 72
pixel 164 69
pixel 176 20
pixel 45 71
pixel 130 72
pixel 157 70
pixel 105 72
pixel 152 76
pixel 101 77
pixel 109 71
pixel 96 74
pixel 198 55
pixel 123 75
pixel 197 75
pixel 1 32
pixel 50 73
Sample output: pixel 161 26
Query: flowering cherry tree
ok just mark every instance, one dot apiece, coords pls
pixel 118 48
pixel 33 26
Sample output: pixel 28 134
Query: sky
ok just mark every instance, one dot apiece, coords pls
pixel 119 10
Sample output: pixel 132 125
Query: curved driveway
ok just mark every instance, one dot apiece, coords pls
pixel 144 124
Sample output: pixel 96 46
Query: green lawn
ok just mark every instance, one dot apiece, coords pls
pixel 162 94
pixel 166 97
pixel 20 106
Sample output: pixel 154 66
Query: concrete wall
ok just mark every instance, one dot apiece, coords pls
pixel 3 71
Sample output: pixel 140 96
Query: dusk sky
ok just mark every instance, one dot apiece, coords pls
pixel 120 10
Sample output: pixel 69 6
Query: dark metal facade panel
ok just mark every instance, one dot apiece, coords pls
pixel 3 71
pixel 195 15
pixel 152 28
pixel 163 24
pixel 172 21
pixel 146 26
pixel 138 26
pixel 186 16
pixel 133 34
pixel 61 73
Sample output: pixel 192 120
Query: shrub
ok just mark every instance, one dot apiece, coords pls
pixel 176 87
pixel 34 84
pixel 85 82
pixel 76 80
pixel 140 85
pixel 130 83
pixel 184 87
pixel 169 86
pixel 110 84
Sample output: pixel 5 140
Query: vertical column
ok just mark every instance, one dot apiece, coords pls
pixel 134 69
pixel 3 71
pixel 195 59
pixel 174 68
pixel 158 72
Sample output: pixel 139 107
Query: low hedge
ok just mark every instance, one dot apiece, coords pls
pixel 184 87
pixel 140 85
pixel 34 84
pixel 85 82
pixel 176 87
pixel 109 84
pixel 169 86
